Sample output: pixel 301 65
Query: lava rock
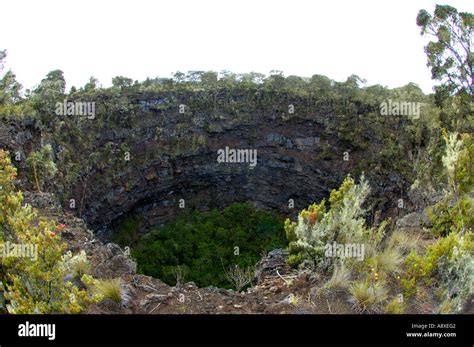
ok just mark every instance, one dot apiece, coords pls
pixel 273 261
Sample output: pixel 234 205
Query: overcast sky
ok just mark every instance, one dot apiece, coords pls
pixel 377 40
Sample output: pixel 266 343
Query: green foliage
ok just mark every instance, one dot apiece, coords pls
pixel 343 223
pixel 455 212
pixel 395 307
pixel 37 283
pixel 337 195
pixel 455 218
pixel 448 263
pixel 295 259
pixel 9 88
pixel 449 57
pixel 110 289
pixel 92 84
pixel 122 82
pixel 50 91
pixel 205 243
pixel 11 101
pixel 42 166
pixel 409 286
pixel 457 275
pixel 464 170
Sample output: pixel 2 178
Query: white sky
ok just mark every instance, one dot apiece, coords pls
pixel 377 40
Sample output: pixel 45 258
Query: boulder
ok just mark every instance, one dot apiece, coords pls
pixel 273 261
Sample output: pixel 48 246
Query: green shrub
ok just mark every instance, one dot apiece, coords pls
pixel 448 263
pixel 458 217
pixel 42 166
pixel 36 286
pixel 343 223
pixel 295 259
pixel 409 286
pixel 455 212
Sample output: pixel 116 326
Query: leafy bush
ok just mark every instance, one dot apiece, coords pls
pixel 455 212
pixel 409 286
pixel 449 262
pixel 342 223
pixel 208 243
pixel 36 284
pixel 455 218
pixel 456 273
pixel 42 166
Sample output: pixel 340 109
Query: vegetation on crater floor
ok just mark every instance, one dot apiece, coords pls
pixel 206 245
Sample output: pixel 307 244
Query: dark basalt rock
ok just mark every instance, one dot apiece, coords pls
pixel 269 265
pixel 173 156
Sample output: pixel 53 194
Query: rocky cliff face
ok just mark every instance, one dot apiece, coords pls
pixel 152 153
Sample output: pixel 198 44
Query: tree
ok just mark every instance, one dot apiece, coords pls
pixel 320 83
pixel 450 57
pixel 209 79
pixel 227 79
pixel 10 89
pixel 50 91
pixel 122 82
pixel 3 55
pixel 276 80
pixel 179 76
pixel 92 84
pixel 194 77
pixel 42 165
pixel 252 78
pixel 296 84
